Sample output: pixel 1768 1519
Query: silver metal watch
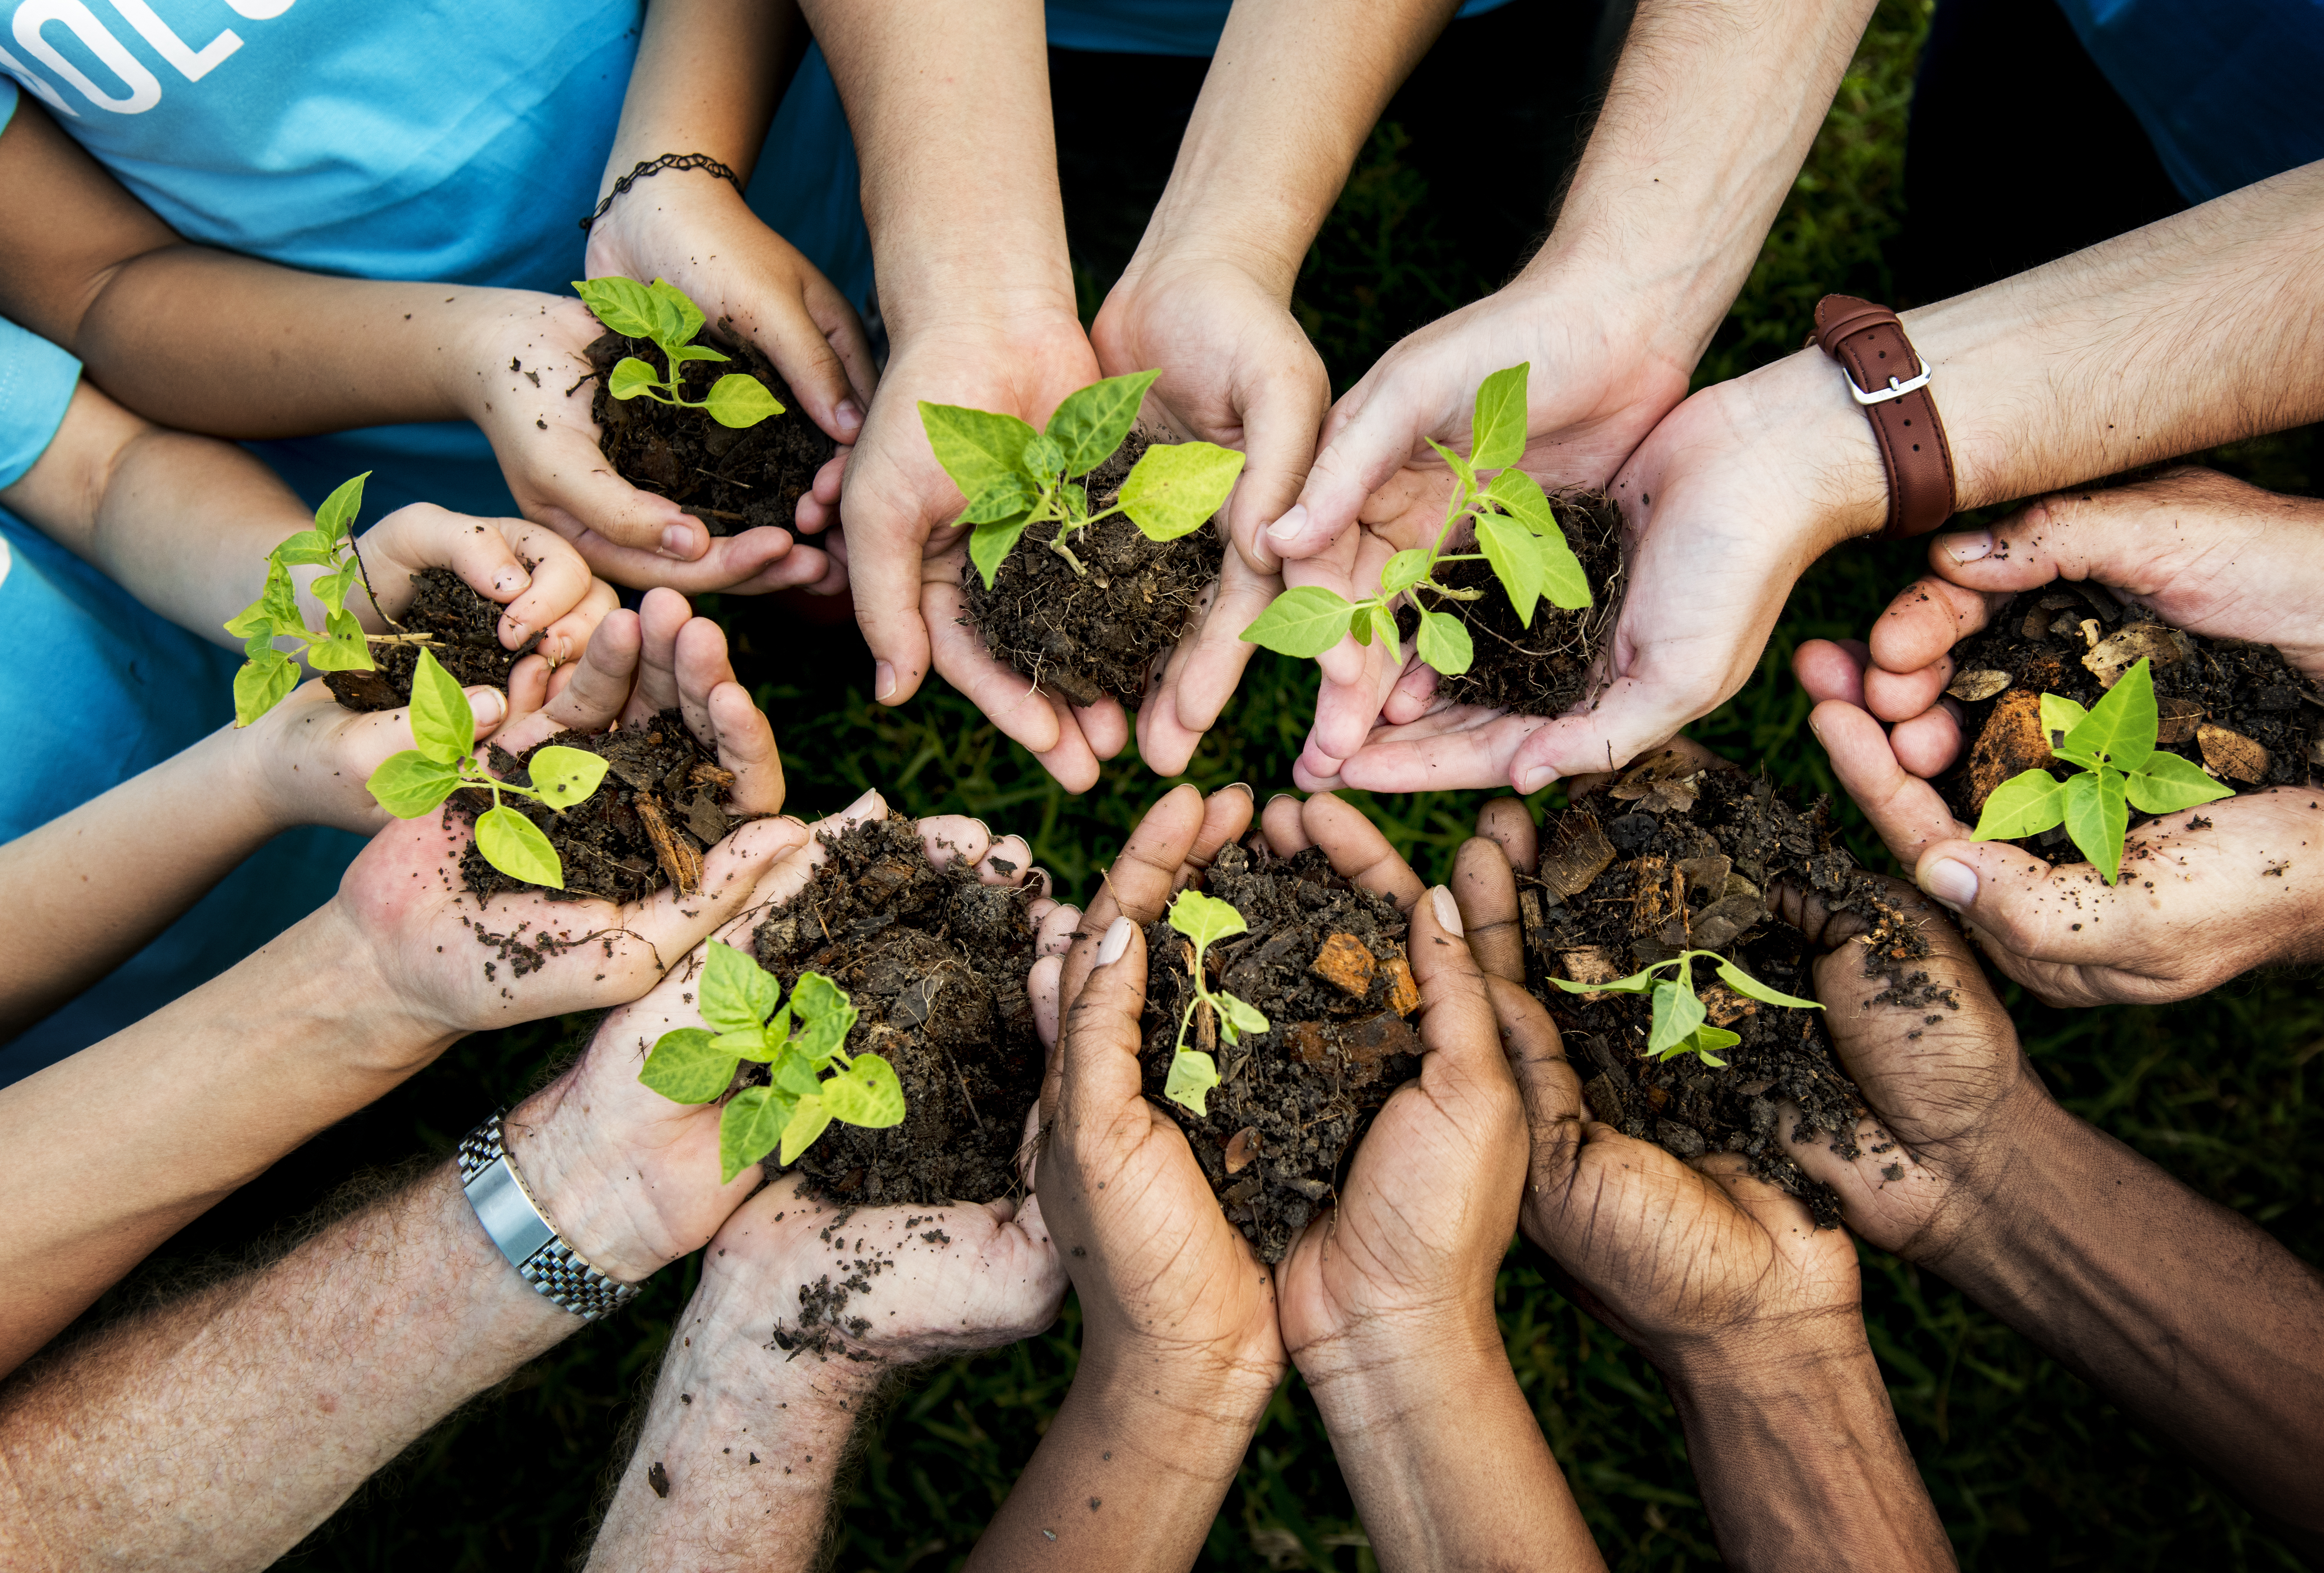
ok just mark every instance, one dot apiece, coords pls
pixel 514 1222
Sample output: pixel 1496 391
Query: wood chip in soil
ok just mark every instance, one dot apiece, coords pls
pixel 464 628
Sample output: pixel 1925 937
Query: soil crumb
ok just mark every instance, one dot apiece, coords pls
pixel 1325 962
pixel 465 629
pixel 1548 669
pixel 1089 635
pixel 935 963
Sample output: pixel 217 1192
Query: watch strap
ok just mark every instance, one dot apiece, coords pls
pixel 1890 382
pixel 512 1220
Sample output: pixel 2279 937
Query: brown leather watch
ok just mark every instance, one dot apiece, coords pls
pixel 1888 378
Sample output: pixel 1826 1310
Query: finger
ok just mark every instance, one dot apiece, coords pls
pixel 1226 814
pixel 1054 930
pixel 1104 726
pixel 1457 748
pixel 946 837
pixel 566 638
pixel 1414 691
pixel 1927 745
pixel 1456 1017
pixel 1073 762
pixel 1547 1084
pixel 480 554
pixel 1377 427
pixel 1041 987
pixel 1281 824
pixel 746 746
pixel 1011 700
pixel 662 615
pixel 1903 808
pixel 1486 887
pixel 699 663
pixel 591 690
pixel 1830 669
pixel 1357 851
pixel 1886 1194
pixel 787 876
pixel 738 563
pixel 1509 824
pixel 1279 425
pixel 576 490
pixel 1899 695
pixel 1099 1070
pixel 887 536
pixel 1202 673
pixel 1926 620
pixel 674 922
pixel 795 338
pixel 1005 862
pixel 557 584
pixel 1633 717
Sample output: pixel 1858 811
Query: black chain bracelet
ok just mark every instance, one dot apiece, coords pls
pixel 669 161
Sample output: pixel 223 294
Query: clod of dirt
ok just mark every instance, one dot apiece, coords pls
pixel 1636 872
pixel 464 628
pixel 935 963
pixel 2238 710
pixel 1088 636
pixel 1325 962
pixel 663 803
pixel 732 481
pixel 1544 669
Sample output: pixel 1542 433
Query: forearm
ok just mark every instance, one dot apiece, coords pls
pixel 216 1433
pixel 708 76
pixel 2181 1311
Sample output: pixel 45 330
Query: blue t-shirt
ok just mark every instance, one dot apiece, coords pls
pixel 1159 27
pixel 95 688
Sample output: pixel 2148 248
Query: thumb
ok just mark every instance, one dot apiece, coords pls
pixel 1278 444
pixel 2013 900
pixel 883 569
pixel 575 488
pixel 2137 538
pixel 1370 444
pixel 1102 1036
pixel 1456 1019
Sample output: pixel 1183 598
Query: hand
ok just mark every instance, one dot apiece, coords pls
pixel 527 569
pixel 905 555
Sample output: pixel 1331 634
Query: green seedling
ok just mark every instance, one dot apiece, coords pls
pixel 1682 1024
pixel 1517 534
pixel 410 783
pixel 1205 921
pixel 2113 741
pixel 268 673
pixel 1016 477
pixel 660 311
pixel 742 1005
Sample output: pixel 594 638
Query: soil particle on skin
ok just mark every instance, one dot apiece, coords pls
pixel 1670 858
pixel 2236 709
pixel 935 963
pixel 663 805
pixel 464 628
pixel 1087 635
pixel 732 481
pixel 1545 670
pixel 1325 963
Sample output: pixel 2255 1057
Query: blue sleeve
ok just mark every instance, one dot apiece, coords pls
pixel 36 383
pixel 9 94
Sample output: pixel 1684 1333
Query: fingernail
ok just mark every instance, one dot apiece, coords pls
pixel 1116 941
pixel 1243 786
pixel 1533 778
pixel 1448 912
pixel 513 630
pixel 1952 882
pixel 1816 730
pixel 489 706
pixel 1287 528
pixel 861 805
pixel 509 581
pixel 677 542
pixel 1969 548
pixel 883 680
pixel 848 415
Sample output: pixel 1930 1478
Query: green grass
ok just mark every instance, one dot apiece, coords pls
pixel 2028 1468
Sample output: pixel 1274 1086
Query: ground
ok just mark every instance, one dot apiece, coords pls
pixel 2029 1468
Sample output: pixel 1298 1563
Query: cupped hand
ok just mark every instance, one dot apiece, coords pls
pixel 533 573
pixel 2205 894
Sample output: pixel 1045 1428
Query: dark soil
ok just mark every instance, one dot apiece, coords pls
pixel 1662 861
pixel 465 629
pixel 1544 669
pixel 1292 1102
pixel 1085 636
pixel 731 481
pixel 663 803
pixel 2233 707
pixel 936 964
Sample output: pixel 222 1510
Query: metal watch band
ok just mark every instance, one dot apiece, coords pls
pixel 514 1222
pixel 1890 381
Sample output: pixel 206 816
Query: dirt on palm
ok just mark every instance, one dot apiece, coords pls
pixel 1545 670
pixel 464 630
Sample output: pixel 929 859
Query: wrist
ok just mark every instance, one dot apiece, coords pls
pixel 1798 414
pixel 1643 309
pixel 1195 1409
pixel 1383 1366
pixel 587 1188
pixel 1804 1353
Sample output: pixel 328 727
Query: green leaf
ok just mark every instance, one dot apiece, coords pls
pixel 2026 804
pixel 795 1073
pixel 1444 643
pixel 344 648
pixel 1304 621
pixel 755 1043
pixel 1074 497
pixel 736 992
pixel 443 725
pixel 515 846
pixel 1522 498
pixel 2060 715
pixel 1677 1013
pixel 2120 728
pixel 1562 578
pixel 632 376
pixel 336 517
pixel 1173 488
pixel 2098 817
pixel 749 1126
pixel 677 319
pixel 1637 983
pixel 866 1094
pixel 2168 783
pixel 1705 1040
pixel 1044 457
pixel 825 1035
pixel 410 783
pixel 685 353
pixel 1092 422
pixel 1205 919
pixel 990 545
pixel 307 549
pixel 739 400
pixel 1383 622
pixel 1515 553
pixel 977 447
pixel 1460 467
pixel 1241 1015
pixel 276 610
pixel 1743 982
pixel 331 588
pixel 1404 571
pixel 1193 1074
pixel 565 776
pixel 1497 432
pixel 808 1120
pixel 623 305
pixel 1011 496
pixel 687 1067
pixel 261 684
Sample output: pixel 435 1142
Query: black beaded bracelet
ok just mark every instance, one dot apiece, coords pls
pixel 669 161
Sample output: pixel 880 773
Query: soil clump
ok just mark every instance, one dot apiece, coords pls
pixel 1545 670
pixel 1325 962
pixel 935 963
pixel 732 481
pixel 1668 858
pixel 1088 636
pixel 465 632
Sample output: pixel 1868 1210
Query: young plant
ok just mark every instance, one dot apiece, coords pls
pixel 1205 921
pixel 796 1043
pixel 1016 477
pixel 267 673
pixel 660 312
pixel 1681 1026
pixel 410 783
pixel 2113 741
pixel 1517 534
